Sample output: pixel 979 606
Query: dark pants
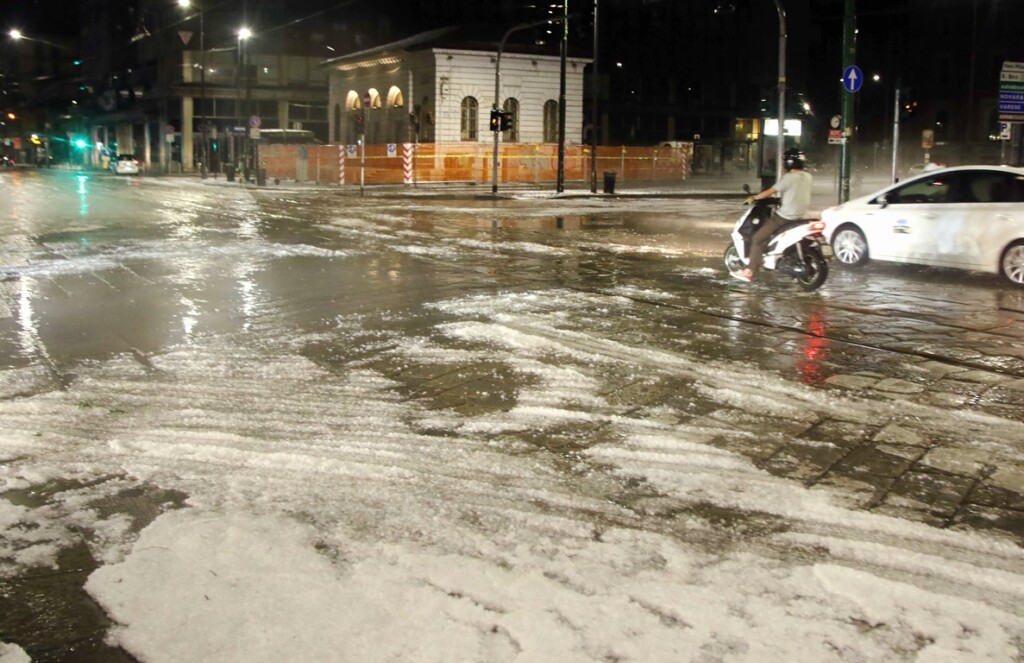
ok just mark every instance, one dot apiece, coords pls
pixel 759 242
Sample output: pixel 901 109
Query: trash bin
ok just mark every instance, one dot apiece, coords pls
pixel 229 172
pixel 261 177
pixel 609 181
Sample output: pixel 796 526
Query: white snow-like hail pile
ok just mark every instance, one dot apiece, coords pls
pixel 330 519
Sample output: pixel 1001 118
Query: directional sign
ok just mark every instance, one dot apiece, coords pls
pixel 1011 92
pixel 853 78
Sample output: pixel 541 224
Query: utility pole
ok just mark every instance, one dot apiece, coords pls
pixel 849 60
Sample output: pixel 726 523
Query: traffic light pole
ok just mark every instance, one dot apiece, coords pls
pixel 896 130
pixel 849 57
pixel 780 143
pixel 497 88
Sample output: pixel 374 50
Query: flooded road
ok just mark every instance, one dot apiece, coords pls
pixel 459 374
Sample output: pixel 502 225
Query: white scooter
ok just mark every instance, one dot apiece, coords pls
pixel 797 249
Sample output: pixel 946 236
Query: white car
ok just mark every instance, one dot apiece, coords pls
pixel 969 217
pixel 124 164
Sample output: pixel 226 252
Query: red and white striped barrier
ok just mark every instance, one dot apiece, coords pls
pixel 341 164
pixel 407 162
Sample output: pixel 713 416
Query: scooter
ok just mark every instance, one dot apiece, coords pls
pixel 797 249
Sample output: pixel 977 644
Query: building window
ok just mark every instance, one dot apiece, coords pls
pixel 512 135
pixel 550 121
pixel 352 101
pixel 395 98
pixel 470 110
pixel 375 101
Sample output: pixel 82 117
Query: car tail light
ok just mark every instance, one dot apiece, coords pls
pixel 817 226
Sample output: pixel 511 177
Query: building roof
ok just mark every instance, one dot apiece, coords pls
pixel 483 38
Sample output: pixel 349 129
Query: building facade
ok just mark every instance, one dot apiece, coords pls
pixel 421 91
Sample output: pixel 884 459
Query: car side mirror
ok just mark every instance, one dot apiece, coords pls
pixel 883 201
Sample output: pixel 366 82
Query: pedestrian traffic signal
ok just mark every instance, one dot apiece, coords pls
pixel 505 121
pixel 495 119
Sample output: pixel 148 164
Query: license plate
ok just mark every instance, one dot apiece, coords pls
pixel 826 249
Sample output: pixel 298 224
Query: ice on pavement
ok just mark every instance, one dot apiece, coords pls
pixel 331 518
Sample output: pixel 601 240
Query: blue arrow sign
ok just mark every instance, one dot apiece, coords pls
pixel 853 78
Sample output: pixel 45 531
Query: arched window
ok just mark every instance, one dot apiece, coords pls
pixel 375 101
pixel 395 98
pixel 352 101
pixel 470 109
pixel 511 106
pixel 550 121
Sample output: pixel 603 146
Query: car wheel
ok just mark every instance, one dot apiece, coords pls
pixel 1012 263
pixel 850 247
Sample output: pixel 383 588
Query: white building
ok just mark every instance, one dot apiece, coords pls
pixel 430 83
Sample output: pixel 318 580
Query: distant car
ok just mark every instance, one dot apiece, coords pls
pixel 969 217
pixel 124 164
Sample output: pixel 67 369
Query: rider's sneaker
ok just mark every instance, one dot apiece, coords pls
pixel 744 275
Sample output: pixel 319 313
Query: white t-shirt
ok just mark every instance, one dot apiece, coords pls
pixel 795 190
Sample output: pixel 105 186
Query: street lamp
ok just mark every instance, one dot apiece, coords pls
pixel 205 155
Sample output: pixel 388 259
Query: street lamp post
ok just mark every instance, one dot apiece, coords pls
pixel 204 140
pixel 243 34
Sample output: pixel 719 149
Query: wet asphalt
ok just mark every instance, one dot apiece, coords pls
pixel 94 267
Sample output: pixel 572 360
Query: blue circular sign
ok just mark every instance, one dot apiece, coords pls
pixel 853 78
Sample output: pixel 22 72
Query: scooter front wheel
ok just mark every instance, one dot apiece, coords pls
pixel 732 259
pixel 817 272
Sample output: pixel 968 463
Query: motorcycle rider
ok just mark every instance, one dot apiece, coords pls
pixel 795 190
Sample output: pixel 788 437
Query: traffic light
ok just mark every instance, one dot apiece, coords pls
pixel 358 121
pixel 908 104
pixel 495 119
pixel 505 121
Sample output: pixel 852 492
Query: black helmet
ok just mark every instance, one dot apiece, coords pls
pixel 793 158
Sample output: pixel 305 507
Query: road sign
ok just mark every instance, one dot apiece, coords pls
pixel 835 137
pixel 1011 92
pixel 392 149
pixel 366 100
pixel 255 121
pixel 853 78
pixel 927 139
pixel 169 129
pixel 1004 131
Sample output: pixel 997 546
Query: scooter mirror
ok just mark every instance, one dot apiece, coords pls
pixel 746 188
pixel 883 201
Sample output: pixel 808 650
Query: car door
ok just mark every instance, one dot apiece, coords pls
pixel 907 222
pixel 997 217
